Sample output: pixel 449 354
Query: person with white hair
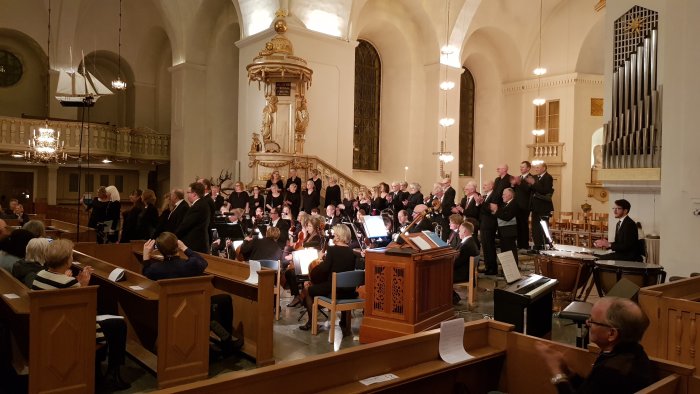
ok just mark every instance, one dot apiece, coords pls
pixel 26 269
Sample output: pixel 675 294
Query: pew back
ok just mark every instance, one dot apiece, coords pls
pixel 52 335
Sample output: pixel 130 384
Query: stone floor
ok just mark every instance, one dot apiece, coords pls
pixel 290 343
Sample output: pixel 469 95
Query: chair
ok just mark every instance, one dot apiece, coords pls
pixel 349 279
pixel 275 265
pixel 473 280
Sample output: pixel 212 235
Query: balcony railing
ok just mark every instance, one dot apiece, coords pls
pixel 550 152
pixel 140 143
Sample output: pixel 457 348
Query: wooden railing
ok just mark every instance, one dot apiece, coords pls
pixel 104 140
pixel 263 164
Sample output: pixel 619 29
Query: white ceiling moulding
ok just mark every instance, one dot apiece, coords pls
pixel 552 81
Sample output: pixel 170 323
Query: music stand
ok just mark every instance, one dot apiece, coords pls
pixel 230 231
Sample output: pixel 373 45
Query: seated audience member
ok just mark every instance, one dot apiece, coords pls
pixel 35 227
pixel 11 208
pixel 338 258
pixel 15 248
pixel 616 325
pixel 4 230
pixel 626 245
pixel 172 266
pixel 19 214
pixel 55 275
pixel 467 248
pixel 267 248
pixel 26 269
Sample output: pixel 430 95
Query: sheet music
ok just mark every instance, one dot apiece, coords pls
pixel 434 237
pixel 107 317
pixel 254 268
pixel 510 267
pixel 421 243
pixel 451 343
pixel 378 379
pixel 303 258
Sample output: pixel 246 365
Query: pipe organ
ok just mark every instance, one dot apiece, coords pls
pixel 633 133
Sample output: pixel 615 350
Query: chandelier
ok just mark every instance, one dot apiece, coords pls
pixel 445 86
pixel 118 84
pixel 44 146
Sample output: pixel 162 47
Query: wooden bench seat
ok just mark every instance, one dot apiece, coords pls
pixel 52 335
pixel 167 320
pixel 503 360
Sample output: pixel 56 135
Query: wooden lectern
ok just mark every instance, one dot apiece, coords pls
pixel 407 291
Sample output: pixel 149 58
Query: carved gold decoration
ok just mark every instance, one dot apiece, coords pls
pixel 599 5
pixel 596 107
pixel 256 145
pixel 635 25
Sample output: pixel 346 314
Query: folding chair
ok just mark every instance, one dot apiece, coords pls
pixel 349 279
pixel 275 265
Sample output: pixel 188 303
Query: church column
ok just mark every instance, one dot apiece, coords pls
pixel 189 138
pixel 51 186
pixel 143 179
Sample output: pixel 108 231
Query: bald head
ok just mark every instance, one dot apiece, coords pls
pixel 487 186
pixel 502 170
pixel 420 208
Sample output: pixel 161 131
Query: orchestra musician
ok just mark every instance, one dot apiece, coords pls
pixel 338 258
pixel 467 248
pixel 254 248
pixel 331 216
pixel 488 226
pixel 281 224
pixel 455 221
pixel 311 230
pixel 424 223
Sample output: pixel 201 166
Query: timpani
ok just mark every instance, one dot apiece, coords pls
pixel 608 272
pixel 572 270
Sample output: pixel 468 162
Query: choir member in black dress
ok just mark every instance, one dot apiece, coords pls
pixel 98 211
pixel 239 197
pixel 274 199
pixel 414 198
pixel 318 183
pixel 363 202
pixel 256 199
pixel 130 227
pixel 275 179
pixel 293 178
pixel 114 212
pixel 378 203
pixel 310 199
pixel 292 199
pixel 332 192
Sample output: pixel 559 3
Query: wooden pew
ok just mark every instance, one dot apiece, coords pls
pixel 674 314
pixel 253 305
pixel 503 360
pixel 167 320
pixel 60 229
pixel 52 335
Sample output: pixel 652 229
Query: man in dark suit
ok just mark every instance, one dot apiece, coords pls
pixel 219 200
pixel 467 248
pixel 542 189
pixel 194 228
pixel 626 246
pixel 488 226
pixel 522 200
pixel 282 224
pixel 424 223
pixel 180 208
pixel 501 182
pixel 506 218
pixel 266 248
pixel 469 208
pixel 209 199
pixel 448 198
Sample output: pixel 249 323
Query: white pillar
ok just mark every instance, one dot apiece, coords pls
pixel 189 141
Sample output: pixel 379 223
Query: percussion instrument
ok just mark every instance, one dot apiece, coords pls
pixel 608 272
pixel 571 269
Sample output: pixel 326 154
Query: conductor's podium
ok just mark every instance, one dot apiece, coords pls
pixel 406 292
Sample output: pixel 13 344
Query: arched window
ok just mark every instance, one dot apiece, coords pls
pixel 466 124
pixel 368 82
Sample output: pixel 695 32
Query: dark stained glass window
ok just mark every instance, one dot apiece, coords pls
pixel 368 81
pixel 466 124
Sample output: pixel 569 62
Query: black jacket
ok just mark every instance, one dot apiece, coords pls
pixel 261 249
pixel 194 229
pixel 448 201
pixel 542 191
pixel 467 249
pixel 626 245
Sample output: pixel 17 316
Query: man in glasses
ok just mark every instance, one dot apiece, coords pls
pixel 626 246
pixel 616 325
